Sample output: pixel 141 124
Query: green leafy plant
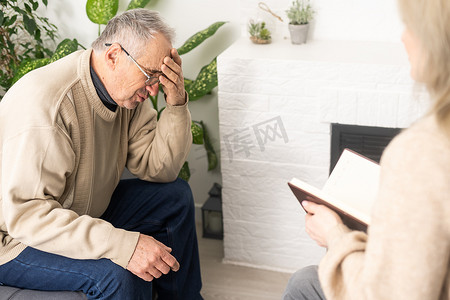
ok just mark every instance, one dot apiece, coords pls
pixel 300 12
pixel 101 11
pixel 23 39
pixel 259 34
pixel 65 47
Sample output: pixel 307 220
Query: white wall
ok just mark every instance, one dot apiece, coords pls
pixel 187 17
pixel 353 70
pixel 355 20
pixel 275 113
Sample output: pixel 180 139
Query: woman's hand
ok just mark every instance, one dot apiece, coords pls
pixel 319 220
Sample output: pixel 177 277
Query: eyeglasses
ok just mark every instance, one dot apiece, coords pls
pixel 151 80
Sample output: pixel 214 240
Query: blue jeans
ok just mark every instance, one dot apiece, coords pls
pixel 162 210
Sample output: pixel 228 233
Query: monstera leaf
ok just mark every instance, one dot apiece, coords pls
pixel 137 4
pixel 199 38
pixel 101 11
pixel 206 80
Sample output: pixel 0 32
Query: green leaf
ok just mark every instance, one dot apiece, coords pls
pixel 159 112
pixel 10 46
pixel 27 8
pixel 211 153
pixel 45 2
pixel 48 52
pixel 137 4
pixel 101 11
pixel 198 38
pixel 64 48
pixel 37 35
pixel 30 24
pixel 35 5
pixel 19 10
pixel 197 134
pixel 1 17
pixel 154 100
pixel 27 66
pixel 206 80
pixel 185 173
pixel 9 21
pixel 187 83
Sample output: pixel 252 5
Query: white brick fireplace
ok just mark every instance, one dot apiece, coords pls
pixel 276 104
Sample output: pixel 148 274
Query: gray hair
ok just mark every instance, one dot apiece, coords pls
pixel 133 29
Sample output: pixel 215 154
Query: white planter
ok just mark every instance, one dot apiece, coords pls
pixel 299 33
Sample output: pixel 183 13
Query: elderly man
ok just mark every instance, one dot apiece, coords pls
pixel 67 131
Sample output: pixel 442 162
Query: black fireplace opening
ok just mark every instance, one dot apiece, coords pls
pixel 366 140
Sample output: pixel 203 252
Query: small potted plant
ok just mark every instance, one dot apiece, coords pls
pixel 299 14
pixel 259 34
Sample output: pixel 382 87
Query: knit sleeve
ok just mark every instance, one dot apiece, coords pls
pixel 158 149
pixel 406 254
pixel 35 165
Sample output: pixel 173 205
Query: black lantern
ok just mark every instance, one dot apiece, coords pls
pixel 212 214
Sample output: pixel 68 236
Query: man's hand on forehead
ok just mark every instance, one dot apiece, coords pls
pixel 173 79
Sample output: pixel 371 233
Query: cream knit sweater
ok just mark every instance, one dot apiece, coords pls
pixel 406 253
pixel 62 153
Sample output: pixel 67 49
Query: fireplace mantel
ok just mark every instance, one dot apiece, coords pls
pixel 363 52
pixel 276 104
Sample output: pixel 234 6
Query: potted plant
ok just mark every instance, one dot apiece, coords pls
pixel 299 14
pixel 259 34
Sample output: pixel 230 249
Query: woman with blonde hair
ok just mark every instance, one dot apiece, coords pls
pixel 406 251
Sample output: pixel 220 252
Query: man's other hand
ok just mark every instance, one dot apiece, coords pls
pixel 151 259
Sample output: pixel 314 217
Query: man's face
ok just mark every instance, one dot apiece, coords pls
pixel 127 86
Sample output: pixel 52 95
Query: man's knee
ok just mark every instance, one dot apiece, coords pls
pixel 180 192
pixel 118 282
pixel 121 277
pixel 181 188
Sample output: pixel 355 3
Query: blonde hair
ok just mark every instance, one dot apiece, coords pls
pixel 429 21
pixel 133 29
